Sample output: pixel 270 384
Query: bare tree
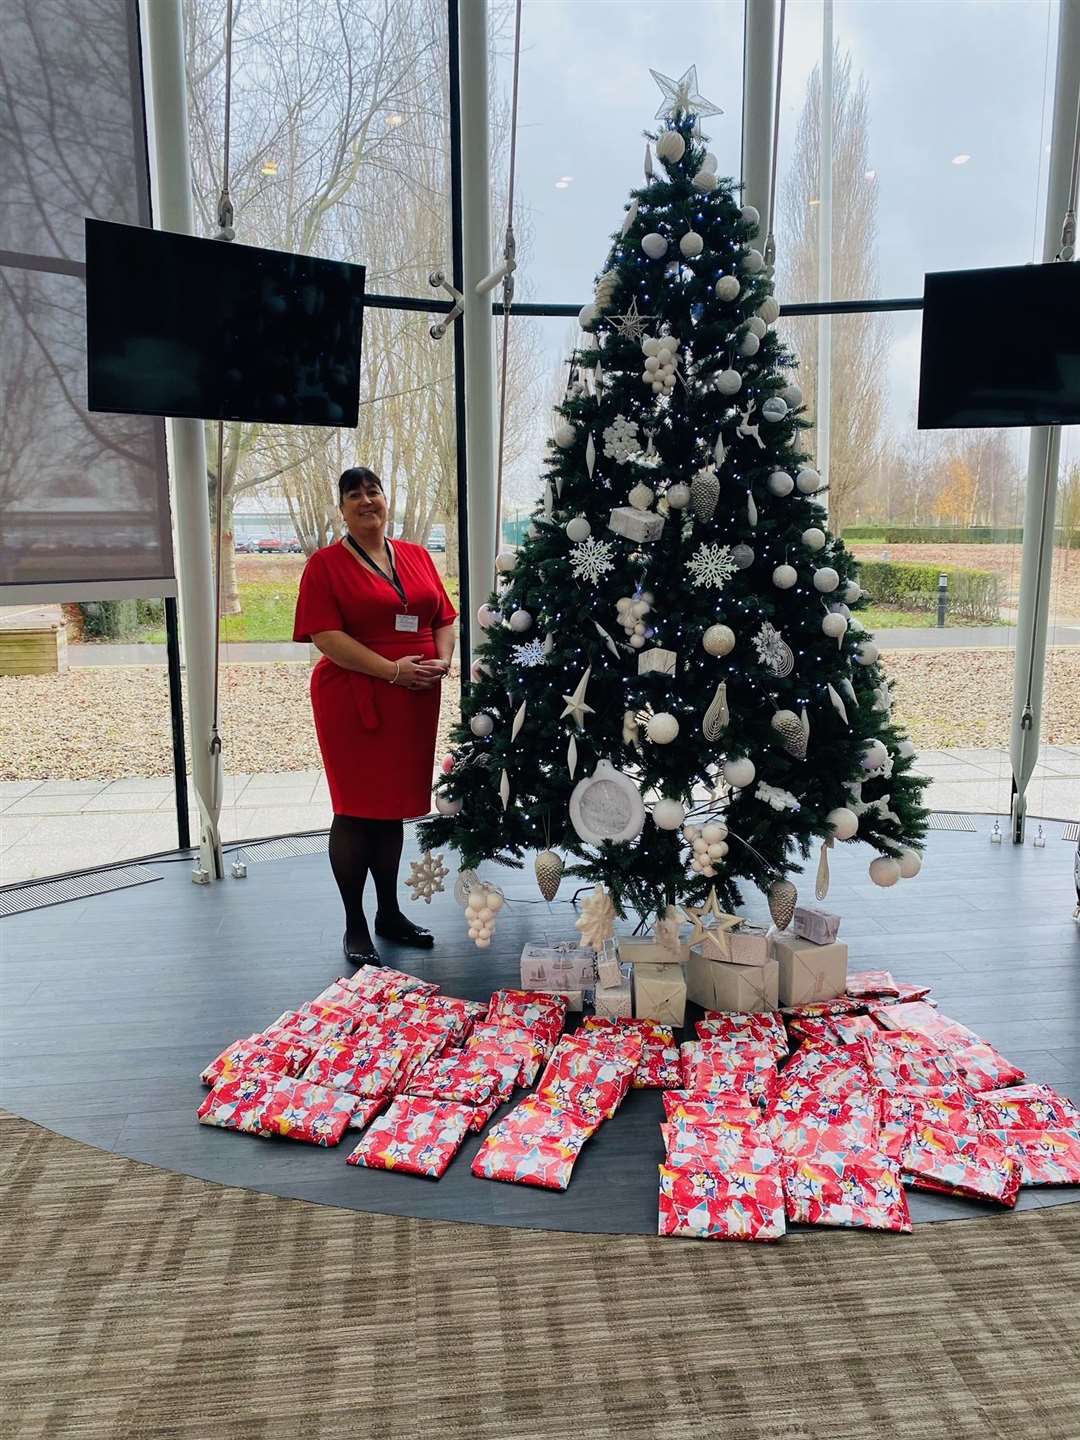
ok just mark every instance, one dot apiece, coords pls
pixel 858 341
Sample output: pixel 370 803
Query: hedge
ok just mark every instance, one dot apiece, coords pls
pixel 952 535
pixel 120 619
pixel 973 594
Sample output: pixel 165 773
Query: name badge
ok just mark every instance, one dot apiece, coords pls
pixel 410 623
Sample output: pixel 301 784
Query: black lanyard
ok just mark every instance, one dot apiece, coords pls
pixel 391 579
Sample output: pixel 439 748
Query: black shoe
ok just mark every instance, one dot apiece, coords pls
pixel 361 952
pixel 404 932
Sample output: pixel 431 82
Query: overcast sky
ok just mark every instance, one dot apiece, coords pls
pixel 946 78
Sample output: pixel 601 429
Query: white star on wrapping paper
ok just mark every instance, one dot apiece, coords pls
pixel 575 703
pixel 712 565
pixel 630 326
pixel 682 95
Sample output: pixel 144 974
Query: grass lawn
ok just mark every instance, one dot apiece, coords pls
pixel 878 619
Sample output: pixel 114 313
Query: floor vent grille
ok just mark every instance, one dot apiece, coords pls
pixel 37 894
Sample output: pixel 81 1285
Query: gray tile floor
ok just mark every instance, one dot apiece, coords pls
pixel 112 1005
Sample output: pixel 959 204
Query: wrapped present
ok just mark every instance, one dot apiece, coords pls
pixel 853 1186
pixel 983 1068
pixel 367 1107
pixel 546 1014
pixel 809 973
pixel 742 1201
pixel 737 941
pixel 757 1025
pixel 416 1134
pixel 721 1141
pixel 816 925
pixel 660 1068
pixel 314 1114
pixel 529 1049
pixel 238 1103
pixel 720 985
pixel 683 1108
pixel 824 1009
pixel 657 661
pixel 575 999
pixel 833 1125
pixel 1031 1107
pixel 899 1059
pixel 834 1030
pixel 906 993
pixel 660 993
pixel 338 993
pixel 591 1075
pixel 254 1055
pixel 1045 1156
pixel 455 1015
pixel 392 984
pixel 975 1165
pixel 536 1144
pixel 951 1107
pixel 652 952
pixel 558 968
pixel 635 524
pixel 609 973
pixel 467 1077
pixel 925 1019
pixel 314 1027
pixel 872 984
pixel 613 1003
pixel 651 1031
pixel 366 1065
pixel 815 1074
pixel 481 1114
pixel 713 1074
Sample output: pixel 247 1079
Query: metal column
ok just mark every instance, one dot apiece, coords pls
pixel 1041 496
pixel 759 70
pixel 825 248
pixel 168 119
pixel 479 348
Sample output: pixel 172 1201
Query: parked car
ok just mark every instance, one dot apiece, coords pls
pixel 293 547
pixel 269 546
pixel 244 547
pixel 437 538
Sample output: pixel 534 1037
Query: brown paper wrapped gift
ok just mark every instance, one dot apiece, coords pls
pixel 614 1002
pixel 557 967
pixel 648 951
pixel 809 972
pixel 659 993
pixel 723 985
pixel 735 940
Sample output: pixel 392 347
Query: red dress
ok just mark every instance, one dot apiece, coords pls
pixel 377 739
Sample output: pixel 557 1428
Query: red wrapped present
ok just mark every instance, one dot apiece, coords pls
pixel 680 1107
pixel 1032 1107
pixel 738 1202
pixel 256 1054
pixel 983 1068
pixel 467 1078
pixel 506 1066
pixel 315 1027
pixel 531 1051
pixel 367 1107
pixel 823 1071
pixel 536 1144
pixel 978 1166
pixel 720 1141
pixel 906 993
pixel 660 1068
pixel 368 983
pixel 900 1059
pixel 948 1107
pixel 328 1014
pixel 338 993
pixel 734 1085
pixel 765 1025
pixel 850 1122
pixel 396 983
pixel 535 1009
pixel 416 1134
pixel 869 984
pixel 723 1057
pixel 1045 1156
pixel 364 1064
pixel 925 1019
pixel 651 1031
pixel 836 1030
pixel 590 1076
pixel 314 1114
pixel 238 1104
pixel 853 1186
pixel 481 1114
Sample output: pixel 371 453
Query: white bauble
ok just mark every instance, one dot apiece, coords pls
pixel 482 942
pixel 665 354
pixel 637 641
pixel 671 147
pixel 650 345
pixel 639 608
pixel 668 814
pixel 749 344
pixel 780 483
pixel 701 845
pixel 564 433
pixel 624 602
pixel 481 724
pixel 652 364
pixel 884 871
pixel 906 750
pixel 856 624
pixel 678 496
pixel 691 832
pixel 808 480
pixel 813 539
pixel 654 245
pixel 474 933
pixel 717 850
pixel 691 244
pixel 749 215
pixel 910 863
pixel 662 728
pixel 487 616
pixel 520 621
pixel 834 625
pixel 718 640
pixel 739 773
pixel 445 806
pixel 852 592
pixel 752 261
pixel 727 288
pixel 641 496
pixel 704 180
pixel 826 580
pixel 728 382
pixel 784 577
pixel 743 555
pixel 713 831
pixel 769 310
pixel 874 755
pixel 843 823
pixel 791 395
pixel 867 653
pixel 774 410
pixel 494 901
pixel 578 529
pixel 478 668
pixel 587 316
pixel 505 561
pixel 757 326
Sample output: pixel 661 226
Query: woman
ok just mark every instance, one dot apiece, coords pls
pixel 380 615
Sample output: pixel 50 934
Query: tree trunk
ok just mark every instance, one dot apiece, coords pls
pixel 230 593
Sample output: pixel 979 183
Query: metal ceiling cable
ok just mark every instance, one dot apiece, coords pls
pixel 509 260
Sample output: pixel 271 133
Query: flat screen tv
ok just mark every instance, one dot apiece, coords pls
pixel 176 325
pixel 1001 347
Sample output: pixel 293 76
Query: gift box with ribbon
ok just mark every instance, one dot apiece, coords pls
pixel 735 940
pixel 809 972
pixel 726 985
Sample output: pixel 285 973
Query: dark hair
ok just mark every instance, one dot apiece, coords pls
pixel 357 477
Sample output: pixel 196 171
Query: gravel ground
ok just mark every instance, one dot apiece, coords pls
pixel 113 722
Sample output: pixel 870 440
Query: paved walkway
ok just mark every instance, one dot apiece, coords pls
pixel 47 827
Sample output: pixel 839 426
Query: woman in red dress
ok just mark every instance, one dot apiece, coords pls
pixel 380 615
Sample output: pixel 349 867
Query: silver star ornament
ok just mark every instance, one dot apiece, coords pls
pixel 681 96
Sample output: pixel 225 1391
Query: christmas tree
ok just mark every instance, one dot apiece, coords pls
pixel 674 689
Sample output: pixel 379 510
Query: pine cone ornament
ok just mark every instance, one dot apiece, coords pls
pixel 549 868
pixel 783 897
pixel 704 493
pixel 792 734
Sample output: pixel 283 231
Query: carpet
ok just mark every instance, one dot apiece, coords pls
pixel 141 1303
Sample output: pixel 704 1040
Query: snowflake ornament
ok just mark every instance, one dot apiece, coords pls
pixel 427 876
pixel 773 651
pixel 591 560
pixel 712 565
pixel 533 652
pixel 773 796
pixel 621 440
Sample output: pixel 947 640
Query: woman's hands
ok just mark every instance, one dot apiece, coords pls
pixel 419 673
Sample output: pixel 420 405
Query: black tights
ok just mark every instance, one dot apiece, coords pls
pixel 358 846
